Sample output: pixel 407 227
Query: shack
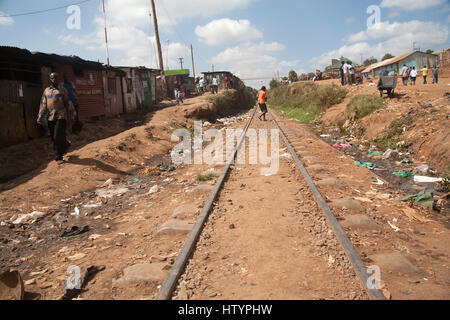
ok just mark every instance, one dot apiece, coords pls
pixel 85 75
pixel 220 76
pixel 113 92
pixel 139 88
pixel 20 95
pixel 393 66
pixel 180 76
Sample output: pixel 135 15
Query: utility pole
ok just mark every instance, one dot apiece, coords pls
pixel 158 43
pixel 212 68
pixel 193 65
pixel 181 62
pixel 167 55
pixel 106 34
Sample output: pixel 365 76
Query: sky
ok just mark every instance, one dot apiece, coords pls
pixel 254 39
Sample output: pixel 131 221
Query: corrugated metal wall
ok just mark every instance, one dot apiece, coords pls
pixel 112 93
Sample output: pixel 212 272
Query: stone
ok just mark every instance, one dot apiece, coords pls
pixel 28 218
pixel 184 209
pixel 395 262
pixel 203 188
pixel 316 167
pixel 348 203
pixel 154 189
pixel 77 256
pixel 327 182
pixel 311 159
pixel 359 221
pixel 105 193
pixel 141 273
pixel 175 227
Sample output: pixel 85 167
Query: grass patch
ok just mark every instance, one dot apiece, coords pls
pixel 392 138
pixel 305 101
pixel 362 105
pixel 205 177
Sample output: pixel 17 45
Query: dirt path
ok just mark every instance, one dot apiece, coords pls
pixel 266 239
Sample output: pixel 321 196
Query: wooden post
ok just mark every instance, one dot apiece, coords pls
pixel 193 65
pixel 158 42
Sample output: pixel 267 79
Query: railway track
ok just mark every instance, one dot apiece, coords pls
pixel 170 285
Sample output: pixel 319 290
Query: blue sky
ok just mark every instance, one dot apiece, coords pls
pixel 252 38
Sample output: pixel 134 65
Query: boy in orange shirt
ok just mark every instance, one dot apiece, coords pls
pixel 262 99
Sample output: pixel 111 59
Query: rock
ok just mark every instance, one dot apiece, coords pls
pixel 184 209
pixel 359 221
pixel 94 237
pixel 348 203
pixel 327 182
pixel 11 286
pixel 109 194
pixel 175 227
pixel 141 273
pixel 30 282
pixel 395 262
pixel 28 218
pixel 108 183
pixel 77 256
pixel 154 189
pixel 316 168
pixel 203 188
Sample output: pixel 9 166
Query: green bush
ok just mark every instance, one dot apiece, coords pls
pixel 361 106
pixel 305 101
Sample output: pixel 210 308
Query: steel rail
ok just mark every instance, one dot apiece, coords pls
pixel 358 265
pixel 169 285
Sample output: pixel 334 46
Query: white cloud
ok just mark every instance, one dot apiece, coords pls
pixel 411 4
pixel 411 29
pixel 254 60
pixel 169 12
pixel 5 20
pixel 226 31
pixel 395 38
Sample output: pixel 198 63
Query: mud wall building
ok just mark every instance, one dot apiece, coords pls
pixel 139 87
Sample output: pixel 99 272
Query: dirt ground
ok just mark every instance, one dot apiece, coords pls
pixel 266 237
pixel 429 105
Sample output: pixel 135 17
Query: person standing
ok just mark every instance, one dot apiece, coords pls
pixel 346 72
pixel 413 76
pixel 55 108
pixel 262 99
pixel 341 73
pixel 225 82
pixel 178 94
pixel 202 85
pixel 425 74
pixel 435 74
pixel 215 85
pixel 352 73
pixel 404 74
pixel 70 87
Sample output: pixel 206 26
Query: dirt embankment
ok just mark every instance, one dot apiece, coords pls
pixel 40 181
pixel 425 109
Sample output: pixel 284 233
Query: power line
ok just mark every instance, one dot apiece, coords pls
pixel 42 11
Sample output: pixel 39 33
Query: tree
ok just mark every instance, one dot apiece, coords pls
pixel 273 84
pixel 293 77
pixel 429 51
pixel 387 56
pixel 370 61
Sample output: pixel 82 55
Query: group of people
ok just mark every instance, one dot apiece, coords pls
pixel 347 73
pixel 410 73
pixel 59 106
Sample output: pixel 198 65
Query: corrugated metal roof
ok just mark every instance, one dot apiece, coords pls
pixel 378 65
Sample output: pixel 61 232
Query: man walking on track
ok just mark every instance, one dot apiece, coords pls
pixel 55 108
pixel 262 99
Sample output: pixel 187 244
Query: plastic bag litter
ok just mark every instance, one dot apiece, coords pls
pixel 404 174
pixel 368 165
pixel 422 179
pixel 424 198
